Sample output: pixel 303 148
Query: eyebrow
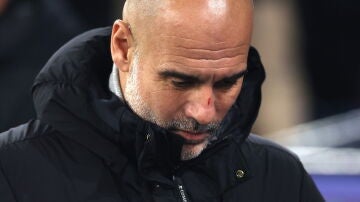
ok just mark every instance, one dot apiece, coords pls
pixel 236 76
pixel 174 74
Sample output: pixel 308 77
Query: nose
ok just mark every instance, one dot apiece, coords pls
pixel 201 106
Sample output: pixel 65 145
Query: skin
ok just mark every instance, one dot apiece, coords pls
pixel 181 63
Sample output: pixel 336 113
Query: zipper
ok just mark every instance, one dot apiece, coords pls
pixel 181 189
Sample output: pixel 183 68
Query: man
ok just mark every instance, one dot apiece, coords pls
pixel 173 125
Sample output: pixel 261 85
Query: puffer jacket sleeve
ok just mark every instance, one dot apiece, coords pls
pixel 309 191
pixel 6 194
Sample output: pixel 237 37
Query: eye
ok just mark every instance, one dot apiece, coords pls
pixel 225 84
pixel 181 84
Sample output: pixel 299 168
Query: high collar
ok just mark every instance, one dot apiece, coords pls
pixel 71 93
pixel 114 83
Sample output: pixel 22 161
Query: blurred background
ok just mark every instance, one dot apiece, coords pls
pixel 30 32
pixel 311 97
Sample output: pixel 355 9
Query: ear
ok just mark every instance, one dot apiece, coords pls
pixel 121 39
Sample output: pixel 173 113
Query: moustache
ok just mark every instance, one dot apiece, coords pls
pixel 191 125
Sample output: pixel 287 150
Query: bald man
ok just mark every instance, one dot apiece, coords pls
pixel 162 115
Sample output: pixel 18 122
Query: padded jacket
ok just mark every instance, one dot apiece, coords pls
pixel 86 145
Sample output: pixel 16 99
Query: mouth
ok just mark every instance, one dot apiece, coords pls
pixel 193 137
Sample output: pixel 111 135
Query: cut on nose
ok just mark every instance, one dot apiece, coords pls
pixel 202 111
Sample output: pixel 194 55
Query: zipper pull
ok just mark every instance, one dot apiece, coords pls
pixel 181 189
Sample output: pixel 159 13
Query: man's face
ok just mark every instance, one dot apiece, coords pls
pixel 185 77
pixel 191 102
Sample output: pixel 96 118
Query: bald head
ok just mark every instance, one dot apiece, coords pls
pixel 212 16
pixel 151 8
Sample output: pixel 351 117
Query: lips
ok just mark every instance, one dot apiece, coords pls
pixel 193 138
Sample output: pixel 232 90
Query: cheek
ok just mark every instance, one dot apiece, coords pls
pixel 224 101
pixel 223 105
pixel 165 102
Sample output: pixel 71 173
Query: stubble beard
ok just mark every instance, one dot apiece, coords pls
pixel 136 102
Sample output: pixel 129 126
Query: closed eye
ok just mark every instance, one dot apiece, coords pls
pixel 182 84
pixel 226 83
pixel 179 80
pixel 229 82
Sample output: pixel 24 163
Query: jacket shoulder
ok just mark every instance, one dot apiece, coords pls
pixel 282 169
pixel 23 133
pixel 267 153
pixel 77 58
pixel 263 145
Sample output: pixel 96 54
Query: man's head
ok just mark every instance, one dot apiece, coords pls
pixel 181 63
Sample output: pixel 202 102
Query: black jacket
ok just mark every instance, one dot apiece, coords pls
pixel 86 145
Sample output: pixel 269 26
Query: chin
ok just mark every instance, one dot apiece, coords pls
pixel 191 151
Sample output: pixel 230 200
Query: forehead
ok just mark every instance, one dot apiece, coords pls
pixel 216 22
pixel 205 34
pixel 183 53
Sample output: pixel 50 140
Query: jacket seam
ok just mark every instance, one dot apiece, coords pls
pixel 6 146
pixel 271 147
